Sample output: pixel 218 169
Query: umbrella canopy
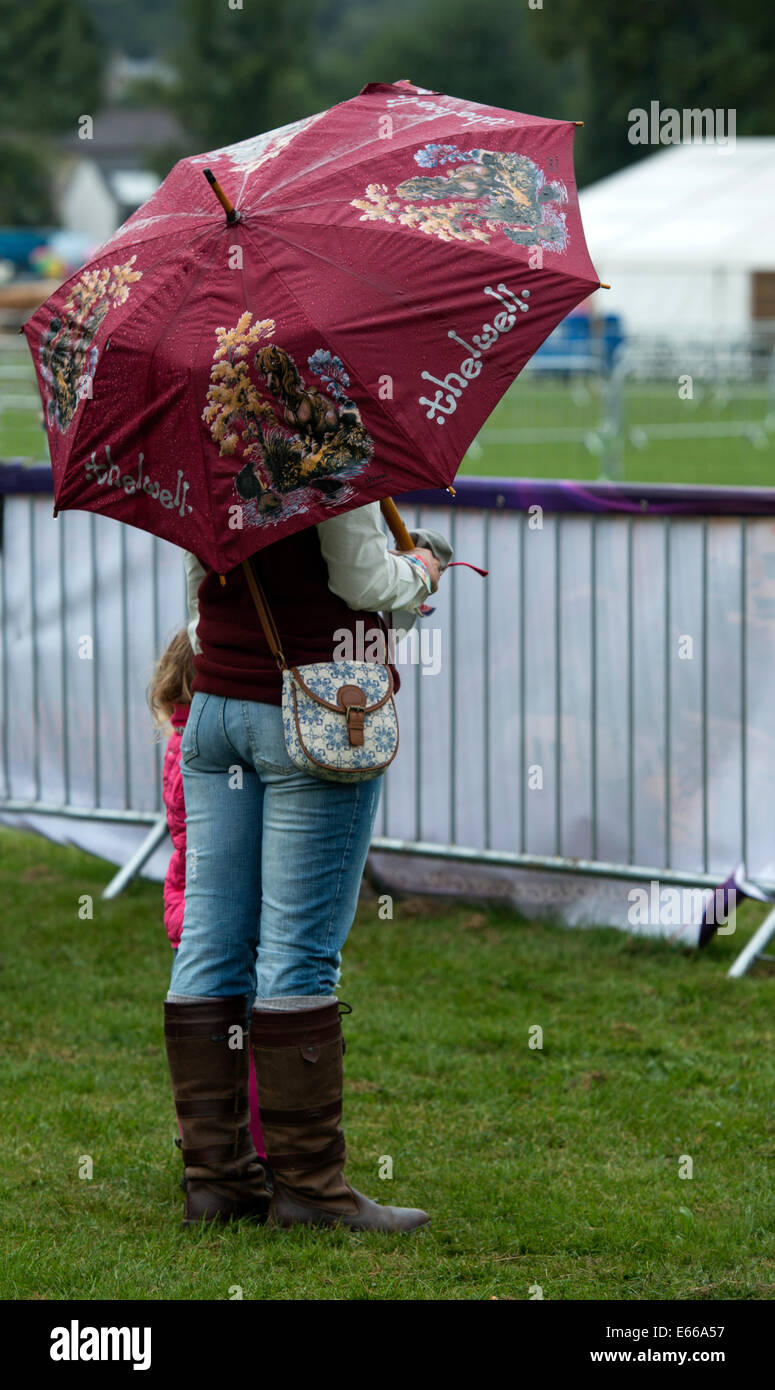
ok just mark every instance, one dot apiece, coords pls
pixel 393 262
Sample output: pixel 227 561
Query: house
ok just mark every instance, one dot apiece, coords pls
pixel 104 178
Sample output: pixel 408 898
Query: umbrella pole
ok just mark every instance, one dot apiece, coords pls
pixel 395 522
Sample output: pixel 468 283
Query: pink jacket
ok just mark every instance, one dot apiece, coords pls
pixel 172 788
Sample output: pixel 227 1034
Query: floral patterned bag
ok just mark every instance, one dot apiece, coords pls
pixel 339 717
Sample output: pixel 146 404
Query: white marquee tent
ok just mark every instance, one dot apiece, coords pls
pixel 686 239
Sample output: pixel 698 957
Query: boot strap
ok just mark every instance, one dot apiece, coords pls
pixel 217 1031
pixel 301 1117
pixel 228 1106
pixel 332 1153
pixel 219 1153
pixel 293 1035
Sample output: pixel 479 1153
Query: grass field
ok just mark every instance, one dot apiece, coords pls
pixel 505 447
pixel 557 1168
pixel 516 440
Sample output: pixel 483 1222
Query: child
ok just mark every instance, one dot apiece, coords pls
pixel 169 696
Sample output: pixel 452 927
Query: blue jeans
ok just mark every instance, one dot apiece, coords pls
pixel 274 858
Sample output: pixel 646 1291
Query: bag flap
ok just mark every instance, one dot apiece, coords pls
pixel 322 680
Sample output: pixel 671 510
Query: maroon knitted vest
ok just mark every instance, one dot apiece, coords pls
pixel 235 659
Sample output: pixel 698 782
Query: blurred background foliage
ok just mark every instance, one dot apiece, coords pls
pixel 227 73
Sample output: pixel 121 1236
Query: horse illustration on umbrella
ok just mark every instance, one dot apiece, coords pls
pixel 328 441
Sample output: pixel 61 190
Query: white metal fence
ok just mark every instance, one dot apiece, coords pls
pixel 603 702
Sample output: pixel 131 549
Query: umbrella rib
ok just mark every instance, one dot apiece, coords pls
pixel 214 155
pixel 199 432
pixel 329 260
pixel 195 279
pixel 172 250
pixel 415 118
pixel 65 285
pixel 124 321
pixel 363 223
pixel 395 143
pixel 395 424
pixel 482 248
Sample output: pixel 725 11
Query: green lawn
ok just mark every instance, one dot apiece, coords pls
pixel 556 1168
pixel 533 411
pixel 536 411
pixel 21 431
pixel 22 436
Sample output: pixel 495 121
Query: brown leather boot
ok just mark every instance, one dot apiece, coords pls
pixel 224 1176
pixel 298 1061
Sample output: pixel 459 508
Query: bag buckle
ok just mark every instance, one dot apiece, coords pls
pixel 350 698
pixel 355 724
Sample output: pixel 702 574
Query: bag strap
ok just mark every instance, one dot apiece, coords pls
pixel 264 614
pixel 270 631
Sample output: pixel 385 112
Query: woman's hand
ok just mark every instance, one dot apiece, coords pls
pixel 434 568
pixel 429 559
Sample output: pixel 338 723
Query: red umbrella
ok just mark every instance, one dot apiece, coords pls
pixel 383 272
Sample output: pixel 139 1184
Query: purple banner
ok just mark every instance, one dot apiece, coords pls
pixel 637 499
pixel 518 494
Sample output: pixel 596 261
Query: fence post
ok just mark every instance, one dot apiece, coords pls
pixel 612 427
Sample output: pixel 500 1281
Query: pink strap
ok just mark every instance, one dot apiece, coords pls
pixel 426 608
pixel 468 565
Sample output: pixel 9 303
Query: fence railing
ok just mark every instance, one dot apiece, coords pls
pixel 601 703
pixel 591 404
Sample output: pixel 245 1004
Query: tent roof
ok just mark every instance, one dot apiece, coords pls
pixel 704 205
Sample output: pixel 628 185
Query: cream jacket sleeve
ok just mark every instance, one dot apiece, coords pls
pixel 195 573
pixel 361 569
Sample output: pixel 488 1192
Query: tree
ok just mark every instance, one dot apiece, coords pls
pixel 702 53
pixel 51 62
pixel 244 70
pixel 141 28
pixel 487 52
pixel 25 185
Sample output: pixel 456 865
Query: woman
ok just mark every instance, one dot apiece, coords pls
pixel 274 864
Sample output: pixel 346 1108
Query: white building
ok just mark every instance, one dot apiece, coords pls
pixel 96 200
pixel 104 178
pixel 686 239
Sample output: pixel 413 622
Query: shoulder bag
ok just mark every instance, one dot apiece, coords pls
pixel 339 717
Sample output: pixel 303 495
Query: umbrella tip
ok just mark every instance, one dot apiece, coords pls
pixel 601 286
pixel 578 122
pixel 452 491
pixel 231 212
pixel 222 578
pixel 55 512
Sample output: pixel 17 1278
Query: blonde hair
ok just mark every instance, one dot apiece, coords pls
pixel 172 679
